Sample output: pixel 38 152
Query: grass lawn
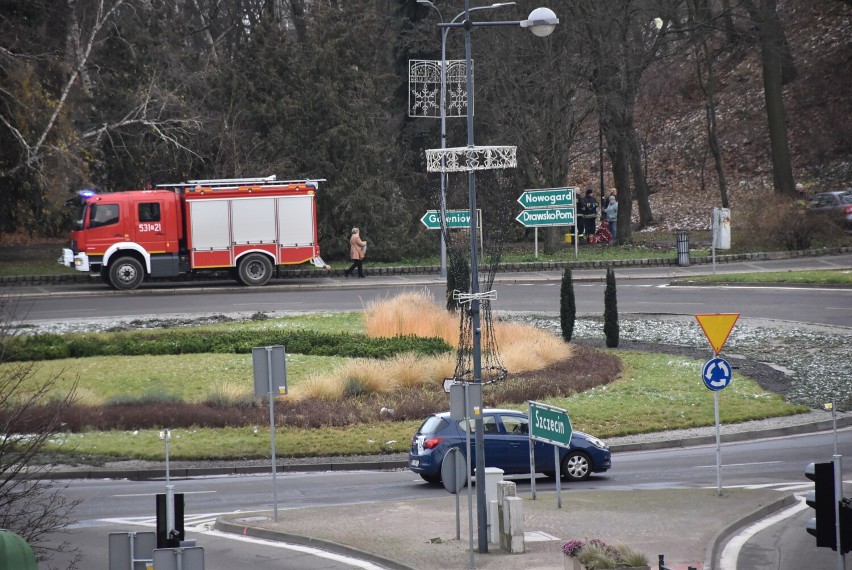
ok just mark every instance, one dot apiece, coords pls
pixel 656 392
pixel 821 277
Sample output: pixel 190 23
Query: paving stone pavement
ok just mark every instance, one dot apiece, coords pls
pixel 420 534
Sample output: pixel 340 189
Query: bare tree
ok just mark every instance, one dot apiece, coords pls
pixel 618 41
pixel 700 21
pixel 30 418
pixel 541 109
pixel 33 150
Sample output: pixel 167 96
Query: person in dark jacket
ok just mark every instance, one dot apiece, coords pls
pixel 589 210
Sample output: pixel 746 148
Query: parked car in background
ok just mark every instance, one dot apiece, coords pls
pixel 506 439
pixel 836 203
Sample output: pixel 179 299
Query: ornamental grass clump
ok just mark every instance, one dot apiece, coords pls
pixel 595 554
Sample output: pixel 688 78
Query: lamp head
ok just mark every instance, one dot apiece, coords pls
pixel 541 22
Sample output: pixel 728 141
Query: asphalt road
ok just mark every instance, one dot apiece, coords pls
pixel 640 291
pixel 124 506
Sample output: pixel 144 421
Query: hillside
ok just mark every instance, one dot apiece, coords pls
pixel 671 121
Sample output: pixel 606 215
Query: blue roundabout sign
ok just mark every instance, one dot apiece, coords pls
pixel 716 373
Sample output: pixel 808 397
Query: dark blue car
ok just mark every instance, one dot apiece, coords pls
pixel 506 439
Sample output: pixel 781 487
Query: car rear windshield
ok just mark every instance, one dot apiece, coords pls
pixel 433 424
pixel 846 198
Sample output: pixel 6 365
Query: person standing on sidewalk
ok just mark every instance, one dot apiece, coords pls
pixel 357 253
pixel 612 217
pixel 589 208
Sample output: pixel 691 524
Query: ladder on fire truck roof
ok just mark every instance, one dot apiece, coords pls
pixel 233 183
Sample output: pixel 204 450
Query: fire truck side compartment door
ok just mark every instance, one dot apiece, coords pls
pixel 210 223
pixel 254 220
pixel 296 221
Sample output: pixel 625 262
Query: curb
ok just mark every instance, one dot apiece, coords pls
pixel 713 550
pixel 224 525
pixel 190 472
pixel 824 425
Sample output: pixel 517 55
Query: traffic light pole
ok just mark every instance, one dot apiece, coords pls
pixel 838 496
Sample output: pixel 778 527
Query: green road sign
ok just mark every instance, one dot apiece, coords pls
pixel 550 424
pixel 548 198
pixel 546 217
pixel 455 219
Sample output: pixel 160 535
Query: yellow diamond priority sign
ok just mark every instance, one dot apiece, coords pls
pixel 717 327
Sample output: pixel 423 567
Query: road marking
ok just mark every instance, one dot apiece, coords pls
pixel 202 524
pixel 667 303
pixel 838 308
pixel 738 464
pixel 297 548
pixel 731 552
pixel 792 486
pixel 153 494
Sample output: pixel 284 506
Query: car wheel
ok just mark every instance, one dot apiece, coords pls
pixel 126 273
pixel 255 269
pixel 431 479
pixel 576 466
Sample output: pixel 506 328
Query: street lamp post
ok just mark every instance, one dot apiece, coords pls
pixel 444 116
pixel 540 22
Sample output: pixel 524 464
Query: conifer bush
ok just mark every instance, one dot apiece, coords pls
pixel 610 310
pixel 567 305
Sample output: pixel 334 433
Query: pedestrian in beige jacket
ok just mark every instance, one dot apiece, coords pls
pixel 357 253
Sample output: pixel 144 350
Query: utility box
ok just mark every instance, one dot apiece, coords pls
pixel 722 228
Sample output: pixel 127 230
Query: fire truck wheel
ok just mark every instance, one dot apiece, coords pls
pixel 255 269
pixel 126 273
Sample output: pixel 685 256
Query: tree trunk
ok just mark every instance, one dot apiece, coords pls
pixel 776 68
pixel 617 149
pixel 643 202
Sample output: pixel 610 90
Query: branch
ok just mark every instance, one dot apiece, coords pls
pixel 100 20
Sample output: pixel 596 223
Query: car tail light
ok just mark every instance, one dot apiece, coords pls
pixel 847 209
pixel 432 442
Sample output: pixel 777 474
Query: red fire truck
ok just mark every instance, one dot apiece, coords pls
pixel 247 225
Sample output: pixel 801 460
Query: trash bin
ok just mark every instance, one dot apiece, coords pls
pixel 15 552
pixel 683 248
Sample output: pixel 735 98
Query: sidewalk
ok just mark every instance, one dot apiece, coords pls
pixel 683 524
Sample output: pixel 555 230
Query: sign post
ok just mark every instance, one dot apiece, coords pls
pixel 270 379
pixel 552 425
pixel 466 406
pixel 716 372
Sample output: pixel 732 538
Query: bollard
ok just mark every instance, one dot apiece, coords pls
pixel 513 521
pixel 505 489
pixel 683 248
